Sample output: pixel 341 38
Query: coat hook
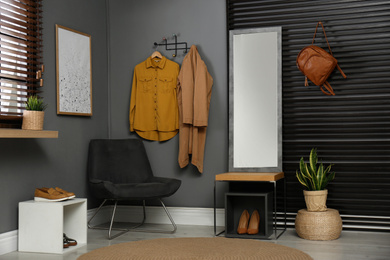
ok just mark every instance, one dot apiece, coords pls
pixel 177 45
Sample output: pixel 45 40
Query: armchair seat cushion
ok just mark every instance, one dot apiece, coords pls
pixel 119 169
pixel 155 187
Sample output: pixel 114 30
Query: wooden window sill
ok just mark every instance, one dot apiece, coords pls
pixel 20 133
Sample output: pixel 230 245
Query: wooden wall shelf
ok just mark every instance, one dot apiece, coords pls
pixel 20 133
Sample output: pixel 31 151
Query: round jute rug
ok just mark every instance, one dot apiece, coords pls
pixel 196 248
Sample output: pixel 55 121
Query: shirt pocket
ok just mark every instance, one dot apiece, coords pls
pixel 167 85
pixel 146 84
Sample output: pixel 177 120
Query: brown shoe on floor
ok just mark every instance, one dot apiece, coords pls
pixel 68 194
pixel 50 194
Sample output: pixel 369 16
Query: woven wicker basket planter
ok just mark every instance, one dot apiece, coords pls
pixel 325 225
pixel 33 120
pixel 315 200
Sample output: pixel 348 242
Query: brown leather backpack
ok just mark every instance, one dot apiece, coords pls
pixel 317 64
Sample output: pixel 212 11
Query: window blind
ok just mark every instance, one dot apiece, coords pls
pixel 350 130
pixel 20 57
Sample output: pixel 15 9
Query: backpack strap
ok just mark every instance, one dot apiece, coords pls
pixel 329 88
pixel 342 73
pixel 323 30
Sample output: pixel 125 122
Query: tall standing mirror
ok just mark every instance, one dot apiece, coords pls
pixel 255 103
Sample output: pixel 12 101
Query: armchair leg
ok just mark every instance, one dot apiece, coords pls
pixel 123 230
pixel 170 218
pixel 89 221
pixel 133 228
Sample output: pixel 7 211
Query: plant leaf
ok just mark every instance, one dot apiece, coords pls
pixel 329 178
pixel 313 159
pixel 303 168
pixel 319 177
pixel 324 176
pixel 311 178
pixel 302 179
pixel 328 169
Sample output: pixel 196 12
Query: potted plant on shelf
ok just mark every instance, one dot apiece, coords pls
pixel 34 114
pixel 314 179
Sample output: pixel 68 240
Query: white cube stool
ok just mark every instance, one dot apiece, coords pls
pixel 42 224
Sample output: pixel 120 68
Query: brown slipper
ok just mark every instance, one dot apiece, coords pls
pixel 48 194
pixel 70 241
pixel 66 244
pixel 68 194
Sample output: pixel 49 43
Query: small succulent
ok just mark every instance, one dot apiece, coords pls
pixel 35 103
pixel 311 177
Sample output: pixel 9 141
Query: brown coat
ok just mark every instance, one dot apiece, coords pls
pixel 193 94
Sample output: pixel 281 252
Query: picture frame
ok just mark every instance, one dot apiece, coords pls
pixel 74 72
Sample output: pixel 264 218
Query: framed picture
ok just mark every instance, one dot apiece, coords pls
pixel 74 72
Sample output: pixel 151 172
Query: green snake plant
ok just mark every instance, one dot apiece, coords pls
pixel 310 176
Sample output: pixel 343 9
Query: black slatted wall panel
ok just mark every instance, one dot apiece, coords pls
pixel 351 129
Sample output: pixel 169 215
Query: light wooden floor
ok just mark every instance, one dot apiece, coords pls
pixel 351 244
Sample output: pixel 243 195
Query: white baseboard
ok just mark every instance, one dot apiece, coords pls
pixel 157 215
pixel 154 214
pixel 8 242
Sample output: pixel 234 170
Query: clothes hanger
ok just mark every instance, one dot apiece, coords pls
pixel 156 54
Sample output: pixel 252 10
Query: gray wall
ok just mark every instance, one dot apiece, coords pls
pixel 57 162
pixel 134 27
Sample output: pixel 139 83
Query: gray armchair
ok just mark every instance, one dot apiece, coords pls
pixel 119 170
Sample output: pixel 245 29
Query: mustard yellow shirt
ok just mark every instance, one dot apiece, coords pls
pixel 153 105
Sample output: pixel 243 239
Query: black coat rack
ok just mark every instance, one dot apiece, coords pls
pixel 176 44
